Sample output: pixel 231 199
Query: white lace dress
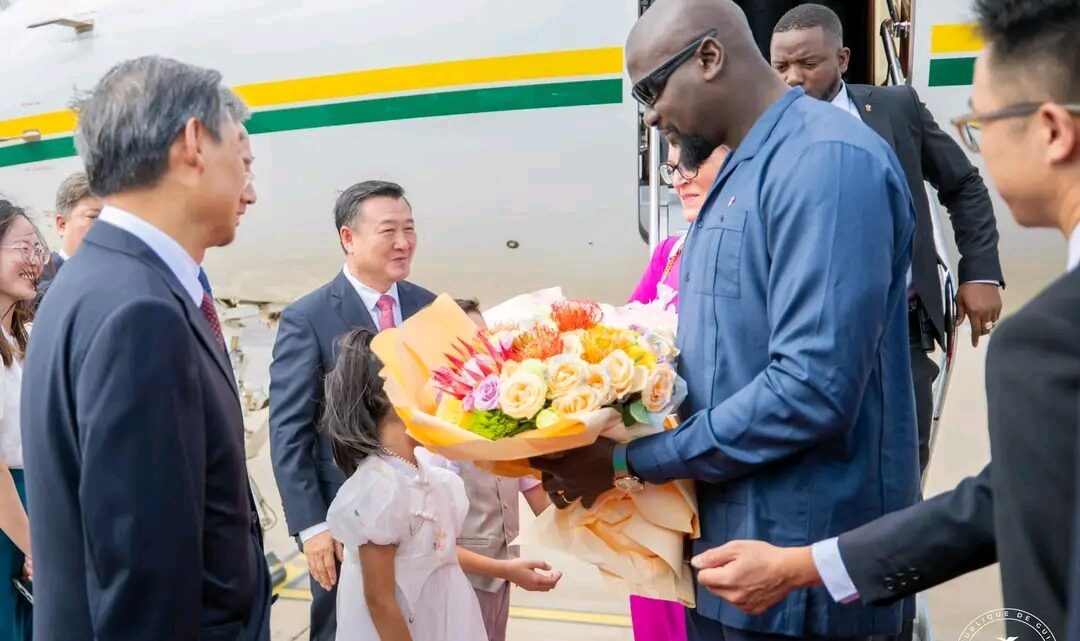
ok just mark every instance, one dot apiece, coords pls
pixel 387 502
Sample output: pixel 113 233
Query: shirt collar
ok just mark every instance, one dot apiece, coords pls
pixel 371 296
pixel 759 133
pixel 62 254
pixel 843 100
pixel 175 257
pixel 1074 249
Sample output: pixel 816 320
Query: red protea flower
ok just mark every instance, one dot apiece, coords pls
pixel 570 315
pixel 540 342
pixel 469 364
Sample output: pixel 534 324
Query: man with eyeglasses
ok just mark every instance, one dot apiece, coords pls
pixel 800 418
pixel 808 51
pixel 1021 509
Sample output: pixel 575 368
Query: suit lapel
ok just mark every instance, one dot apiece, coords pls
pixel 410 301
pixel 206 336
pixel 348 306
pixel 872 113
pixel 116 239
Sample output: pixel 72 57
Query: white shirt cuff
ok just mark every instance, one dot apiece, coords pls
pixel 527 483
pixel 833 573
pixel 986 282
pixel 313 531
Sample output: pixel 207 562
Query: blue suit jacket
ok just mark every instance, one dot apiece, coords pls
pixel 304 351
pixel 142 524
pixel 799 423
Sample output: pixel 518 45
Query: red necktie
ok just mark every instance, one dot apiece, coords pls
pixel 385 305
pixel 210 313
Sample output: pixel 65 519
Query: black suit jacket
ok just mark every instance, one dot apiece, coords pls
pixel 47 276
pixel 1020 509
pixel 928 154
pixel 304 351
pixel 133 436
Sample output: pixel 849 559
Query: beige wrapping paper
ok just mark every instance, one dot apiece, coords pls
pixel 636 541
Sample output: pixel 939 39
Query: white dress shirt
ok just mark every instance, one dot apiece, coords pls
pixel 370 297
pixel 827 559
pixel 62 254
pixel 11 452
pixel 175 257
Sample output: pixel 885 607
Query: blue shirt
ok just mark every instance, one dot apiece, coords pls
pixel 800 418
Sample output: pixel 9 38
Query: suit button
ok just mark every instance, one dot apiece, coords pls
pixel 914 575
pixel 506 506
pixel 699 224
pixel 890 584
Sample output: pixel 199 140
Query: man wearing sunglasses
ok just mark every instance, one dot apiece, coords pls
pixel 1021 509
pixel 800 418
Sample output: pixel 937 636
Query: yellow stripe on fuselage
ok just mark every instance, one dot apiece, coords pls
pixel 560 64
pixel 479 71
pixel 955 38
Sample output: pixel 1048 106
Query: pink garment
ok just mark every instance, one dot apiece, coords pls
pixel 654 619
pixel 646 288
pixel 657 620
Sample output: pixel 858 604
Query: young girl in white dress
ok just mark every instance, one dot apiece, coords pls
pixel 398 519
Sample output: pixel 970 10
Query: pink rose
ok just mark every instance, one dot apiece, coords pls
pixel 486 394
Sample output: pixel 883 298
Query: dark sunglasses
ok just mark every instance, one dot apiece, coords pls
pixel 647 90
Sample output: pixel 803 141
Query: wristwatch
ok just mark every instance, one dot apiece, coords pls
pixel 623 479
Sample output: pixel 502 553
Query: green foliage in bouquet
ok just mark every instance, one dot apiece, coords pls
pixel 494 425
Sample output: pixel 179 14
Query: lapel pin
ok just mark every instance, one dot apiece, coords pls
pixel 731 202
pixel 869 108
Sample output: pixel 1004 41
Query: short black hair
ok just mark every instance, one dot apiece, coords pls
pixel 808 16
pixel 1036 34
pixel 468 305
pixel 349 201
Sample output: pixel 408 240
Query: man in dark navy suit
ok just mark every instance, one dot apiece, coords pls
pixel 144 526
pixel 375 224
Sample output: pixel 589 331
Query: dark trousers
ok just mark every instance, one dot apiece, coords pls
pixel 323 611
pixel 923 373
pixel 699 628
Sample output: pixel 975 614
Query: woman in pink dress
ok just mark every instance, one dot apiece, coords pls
pixel 655 619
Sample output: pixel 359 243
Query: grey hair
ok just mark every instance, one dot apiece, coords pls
pixel 129 121
pixel 347 207
pixel 74 188
pixel 234 105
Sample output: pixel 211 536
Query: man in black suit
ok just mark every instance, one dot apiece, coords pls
pixel 1020 510
pixel 808 51
pixel 143 522
pixel 376 229
pixel 76 210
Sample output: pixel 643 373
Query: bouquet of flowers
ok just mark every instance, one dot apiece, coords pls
pixel 552 375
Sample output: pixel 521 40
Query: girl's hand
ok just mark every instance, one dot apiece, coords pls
pixel 28 569
pixel 525 575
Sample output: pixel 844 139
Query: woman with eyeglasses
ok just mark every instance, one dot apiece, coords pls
pixel 654 619
pixel 23 256
pixel 661 278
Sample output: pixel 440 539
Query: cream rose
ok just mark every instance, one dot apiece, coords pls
pixel 662 342
pixel 572 344
pixel 658 389
pixel 626 377
pixel 579 400
pixel 599 380
pixel 564 373
pixel 522 395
